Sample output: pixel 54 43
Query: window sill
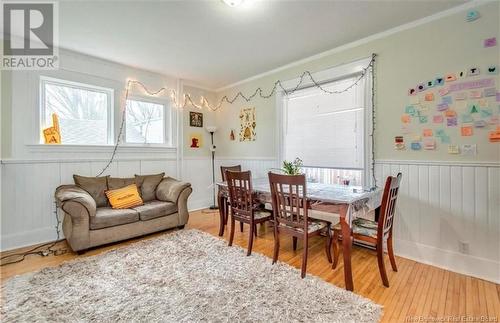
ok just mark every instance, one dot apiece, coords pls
pixel 100 148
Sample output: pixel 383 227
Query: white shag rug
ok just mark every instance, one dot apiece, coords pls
pixel 184 276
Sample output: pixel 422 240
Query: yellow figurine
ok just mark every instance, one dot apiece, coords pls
pixel 52 134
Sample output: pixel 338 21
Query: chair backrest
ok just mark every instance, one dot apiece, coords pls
pixel 239 185
pixel 289 200
pixel 388 206
pixel 236 168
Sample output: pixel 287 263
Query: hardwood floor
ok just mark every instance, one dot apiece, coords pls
pixel 416 291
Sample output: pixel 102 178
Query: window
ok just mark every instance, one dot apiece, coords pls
pixel 146 122
pixel 84 111
pixel 329 132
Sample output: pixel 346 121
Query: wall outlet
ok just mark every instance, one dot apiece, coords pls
pixel 463 247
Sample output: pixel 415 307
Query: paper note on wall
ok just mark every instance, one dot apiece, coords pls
pixel 466 130
pixel 453 149
pixel 469 150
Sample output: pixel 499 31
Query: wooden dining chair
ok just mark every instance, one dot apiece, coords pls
pixel 375 233
pixel 242 205
pixel 290 213
pixel 225 202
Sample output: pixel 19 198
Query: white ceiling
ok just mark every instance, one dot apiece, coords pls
pixel 213 45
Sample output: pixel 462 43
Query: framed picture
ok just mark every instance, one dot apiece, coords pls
pixel 195 119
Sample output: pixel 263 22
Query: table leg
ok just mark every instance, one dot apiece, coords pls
pixel 222 213
pixel 346 247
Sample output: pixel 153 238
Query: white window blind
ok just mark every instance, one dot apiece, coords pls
pixel 326 130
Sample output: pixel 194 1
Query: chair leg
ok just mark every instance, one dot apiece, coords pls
pixel 241 226
pixel 231 235
pixel 250 239
pixel 381 264
pixel 226 212
pixel 294 243
pixel 276 244
pixel 335 243
pixel 390 251
pixel 223 215
pixel 328 245
pixel 304 257
pixel 255 230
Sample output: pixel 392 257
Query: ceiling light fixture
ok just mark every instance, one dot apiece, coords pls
pixel 233 3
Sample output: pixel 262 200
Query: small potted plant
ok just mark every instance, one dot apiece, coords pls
pixel 292 167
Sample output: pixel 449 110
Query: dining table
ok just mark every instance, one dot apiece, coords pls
pixel 326 202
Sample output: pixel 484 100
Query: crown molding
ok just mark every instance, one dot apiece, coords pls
pixel 356 43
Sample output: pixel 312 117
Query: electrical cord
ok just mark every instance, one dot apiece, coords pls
pixel 34 251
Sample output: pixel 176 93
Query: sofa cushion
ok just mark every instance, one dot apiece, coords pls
pixel 107 217
pixel 155 209
pixel 147 185
pixel 95 186
pixel 125 197
pixel 116 183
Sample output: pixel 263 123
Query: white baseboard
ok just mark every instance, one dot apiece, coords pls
pixel 460 263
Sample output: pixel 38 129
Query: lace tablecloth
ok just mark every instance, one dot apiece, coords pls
pixel 361 202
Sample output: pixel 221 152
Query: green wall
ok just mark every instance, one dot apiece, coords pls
pixel 448 44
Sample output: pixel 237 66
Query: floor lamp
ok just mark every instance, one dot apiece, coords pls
pixel 212 130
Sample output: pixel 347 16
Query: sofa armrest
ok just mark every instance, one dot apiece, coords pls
pixel 170 189
pixel 73 193
pixel 78 206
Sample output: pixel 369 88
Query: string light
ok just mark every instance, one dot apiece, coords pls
pixel 188 100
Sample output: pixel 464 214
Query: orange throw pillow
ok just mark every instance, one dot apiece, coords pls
pixel 125 197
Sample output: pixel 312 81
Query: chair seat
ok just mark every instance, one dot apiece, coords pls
pixel 312 227
pixel 261 214
pixel 362 227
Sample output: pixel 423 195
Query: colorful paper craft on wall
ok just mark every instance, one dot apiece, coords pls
pixel 453 149
pixel 195 140
pixel 445 97
pixel 399 143
pixel 469 149
pixel 423 119
pixel 490 42
pixel 415 146
pixel 466 130
pixel 490 92
pixel 429 97
pixel 247 124
pixel 52 135
pixel 451 122
pixel 460 95
pixel 429 144
pixel 437 118
pixel 494 136
pixel 492 69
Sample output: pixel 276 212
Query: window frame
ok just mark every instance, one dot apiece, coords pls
pixel 109 92
pixel 167 122
pixel 326 76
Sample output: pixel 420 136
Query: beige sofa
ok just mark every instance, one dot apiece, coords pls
pixel 89 221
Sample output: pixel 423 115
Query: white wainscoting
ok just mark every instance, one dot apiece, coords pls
pixel 198 172
pixel 259 166
pixel 441 207
pixel 28 192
